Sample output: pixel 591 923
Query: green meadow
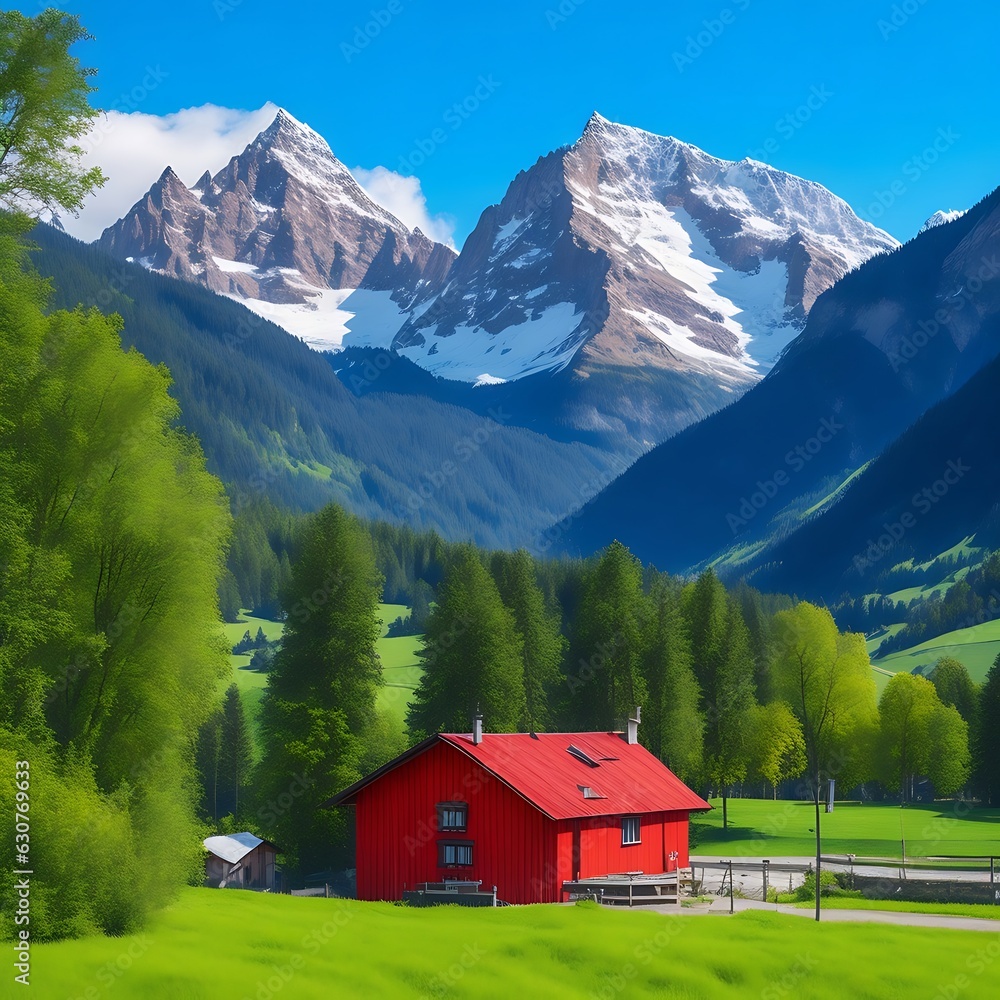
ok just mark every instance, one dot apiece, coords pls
pixel 767 828
pixel 255 946
pixel 400 664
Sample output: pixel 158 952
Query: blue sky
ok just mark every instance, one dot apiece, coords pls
pixel 902 93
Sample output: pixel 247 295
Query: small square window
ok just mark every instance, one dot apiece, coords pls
pixel 455 854
pixel 630 831
pixel 453 816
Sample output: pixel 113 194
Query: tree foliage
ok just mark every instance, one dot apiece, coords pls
pixel 606 682
pixel 320 698
pixel 111 546
pixel 673 726
pixel 955 687
pixel 44 107
pixel 826 678
pixel 541 640
pixel 919 735
pixel 472 656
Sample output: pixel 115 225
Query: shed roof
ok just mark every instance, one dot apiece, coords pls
pixel 233 847
pixel 565 775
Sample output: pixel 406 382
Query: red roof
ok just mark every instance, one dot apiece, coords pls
pixel 604 776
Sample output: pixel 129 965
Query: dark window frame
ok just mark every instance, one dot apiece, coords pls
pixel 444 844
pixel 443 807
pixel 626 822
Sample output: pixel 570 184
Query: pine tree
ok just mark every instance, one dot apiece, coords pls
pixel 987 739
pixel 605 679
pixel 235 746
pixel 320 698
pixel 673 727
pixel 706 612
pixel 542 643
pixel 472 656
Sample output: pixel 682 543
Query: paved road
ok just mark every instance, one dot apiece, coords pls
pixel 748 877
pixel 721 905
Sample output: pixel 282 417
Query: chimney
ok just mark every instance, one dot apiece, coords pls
pixel 477 728
pixel 633 726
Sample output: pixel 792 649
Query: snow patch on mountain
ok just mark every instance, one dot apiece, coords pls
pixel 543 342
pixel 331 319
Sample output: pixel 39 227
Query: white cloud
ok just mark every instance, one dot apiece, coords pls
pixel 133 150
pixel 403 197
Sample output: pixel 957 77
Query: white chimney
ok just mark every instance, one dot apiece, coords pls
pixel 633 726
pixel 477 728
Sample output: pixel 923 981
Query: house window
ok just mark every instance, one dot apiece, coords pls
pixel 455 854
pixel 630 830
pixel 453 815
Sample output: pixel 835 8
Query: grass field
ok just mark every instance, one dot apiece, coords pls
pixel 400 664
pixel 256 946
pixel 977 647
pixel 984 911
pixel 762 827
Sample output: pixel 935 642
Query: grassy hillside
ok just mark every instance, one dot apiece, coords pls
pixel 764 828
pixel 240 944
pixel 400 664
pixel 977 647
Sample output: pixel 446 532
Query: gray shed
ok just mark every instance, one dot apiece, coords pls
pixel 240 860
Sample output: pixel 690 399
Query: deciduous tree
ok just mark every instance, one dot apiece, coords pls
pixel 826 677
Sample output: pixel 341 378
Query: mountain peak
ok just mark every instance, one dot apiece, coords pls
pixel 287 130
pixel 940 218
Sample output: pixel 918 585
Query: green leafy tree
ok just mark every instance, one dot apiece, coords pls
pixel 951 761
pixel 320 697
pixel 707 613
pixel 472 656
pixel 920 735
pixel 826 678
pixel 44 107
pixel 778 749
pixel 542 644
pixel 673 726
pixel 905 710
pixel 955 687
pixel 111 543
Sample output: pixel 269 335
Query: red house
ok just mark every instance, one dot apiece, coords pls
pixel 523 812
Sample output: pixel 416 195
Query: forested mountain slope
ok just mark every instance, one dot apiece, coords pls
pixel 274 418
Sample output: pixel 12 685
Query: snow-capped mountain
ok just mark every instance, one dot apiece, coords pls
pixel 647 280
pixel 286 228
pixel 630 248
pixel 939 218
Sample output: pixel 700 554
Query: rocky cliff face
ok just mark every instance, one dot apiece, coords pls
pixel 629 249
pixel 282 222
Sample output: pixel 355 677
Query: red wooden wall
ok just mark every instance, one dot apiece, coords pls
pixel 516 848
pixel 396 816
pixel 602 852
